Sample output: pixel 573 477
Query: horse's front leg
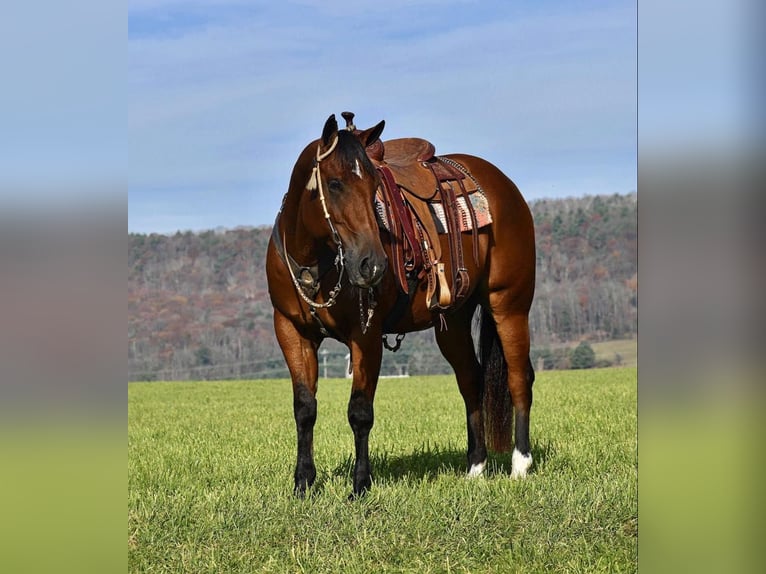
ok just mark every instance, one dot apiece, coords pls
pixel 366 355
pixel 301 357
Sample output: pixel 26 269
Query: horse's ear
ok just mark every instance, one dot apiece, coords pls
pixel 372 134
pixel 330 128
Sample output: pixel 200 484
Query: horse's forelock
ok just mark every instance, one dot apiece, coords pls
pixel 350 151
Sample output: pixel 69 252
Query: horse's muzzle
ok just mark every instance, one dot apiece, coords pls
pixel 368 270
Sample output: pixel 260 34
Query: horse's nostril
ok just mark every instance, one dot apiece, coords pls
pixel 364 268
pixel 371 269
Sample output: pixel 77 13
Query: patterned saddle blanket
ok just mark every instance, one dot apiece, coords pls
pixel 478 202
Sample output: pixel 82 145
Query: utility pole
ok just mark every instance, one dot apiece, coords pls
pixel 324 353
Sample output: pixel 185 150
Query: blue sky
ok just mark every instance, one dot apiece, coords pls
pixel 223 95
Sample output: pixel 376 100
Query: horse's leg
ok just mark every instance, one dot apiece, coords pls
pixel 301 357
pixel 513 330
pixel 366 359
pixel 456 345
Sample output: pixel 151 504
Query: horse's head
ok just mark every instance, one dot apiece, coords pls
pixel 338 205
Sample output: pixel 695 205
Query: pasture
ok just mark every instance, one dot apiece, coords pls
pixel 210 468
pixel 626 349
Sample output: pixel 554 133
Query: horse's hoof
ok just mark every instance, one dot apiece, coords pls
pixel 299 491
pixel 301 487
pixel 361 487
pixel 354 496
pixel 477 469
pixel 520 464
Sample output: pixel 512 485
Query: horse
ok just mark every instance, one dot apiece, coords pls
pixel 330 274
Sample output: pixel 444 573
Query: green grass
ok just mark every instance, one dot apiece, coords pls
pixel 210 481
pixel 626 348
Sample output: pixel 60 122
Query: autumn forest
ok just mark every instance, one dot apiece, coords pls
pixel 198 304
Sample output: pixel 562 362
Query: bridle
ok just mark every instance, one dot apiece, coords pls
pixel 315 183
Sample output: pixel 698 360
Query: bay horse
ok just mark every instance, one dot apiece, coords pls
pixel 329 275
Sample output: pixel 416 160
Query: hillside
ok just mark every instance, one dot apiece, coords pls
pixel 198 304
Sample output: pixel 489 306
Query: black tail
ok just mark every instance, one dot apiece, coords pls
pixel 497 405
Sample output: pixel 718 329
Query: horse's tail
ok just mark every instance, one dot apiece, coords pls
pixel 497 405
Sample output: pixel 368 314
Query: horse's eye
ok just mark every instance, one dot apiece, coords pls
pixel 335 185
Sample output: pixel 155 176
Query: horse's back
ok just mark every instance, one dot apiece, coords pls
pixel 503 195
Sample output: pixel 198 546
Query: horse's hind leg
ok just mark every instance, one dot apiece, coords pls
pixel 513 330
pixel 301 357
pixel 456 345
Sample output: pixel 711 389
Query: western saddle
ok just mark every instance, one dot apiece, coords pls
pixel 413 178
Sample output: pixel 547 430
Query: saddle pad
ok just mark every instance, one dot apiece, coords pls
pixel 478 200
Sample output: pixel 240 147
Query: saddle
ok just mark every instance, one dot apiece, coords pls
pixel 413 179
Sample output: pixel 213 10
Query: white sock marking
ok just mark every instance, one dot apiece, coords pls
pixel 520 463
pixel 477 469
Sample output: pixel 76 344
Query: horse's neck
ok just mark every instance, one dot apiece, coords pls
pixel 297 241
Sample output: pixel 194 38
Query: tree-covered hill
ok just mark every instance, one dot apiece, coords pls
pixel 198 304
pixel 586 268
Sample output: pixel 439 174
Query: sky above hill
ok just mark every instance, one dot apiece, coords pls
pixel 223 95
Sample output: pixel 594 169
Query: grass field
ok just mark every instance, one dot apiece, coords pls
pixel 210 481
pixel 627 349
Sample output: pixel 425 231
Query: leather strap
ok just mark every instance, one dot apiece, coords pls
pixel 460 279
pixel 429 264
pixel 411 251
pixel 474 222
pixel 395 233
